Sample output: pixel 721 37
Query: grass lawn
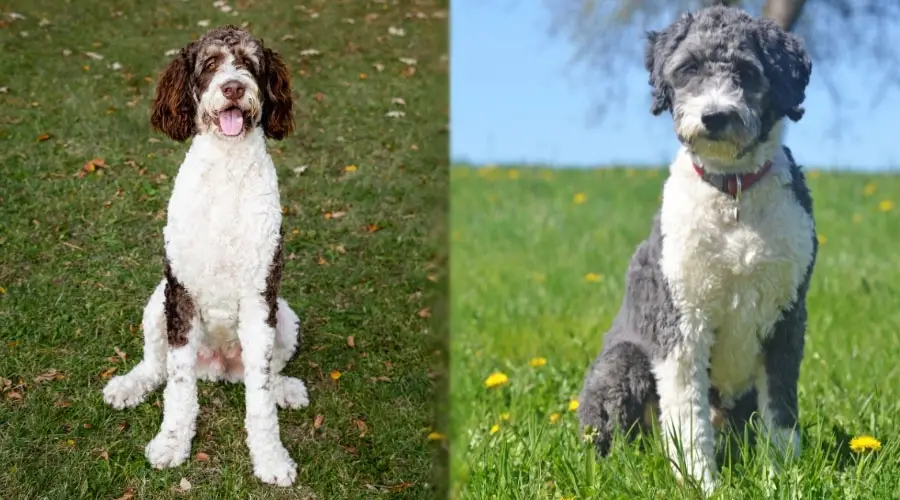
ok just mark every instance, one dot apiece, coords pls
pixel 537 269
pixel 80 254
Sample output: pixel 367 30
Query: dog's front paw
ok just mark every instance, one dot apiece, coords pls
pixel 291 393
pixel 167 450
pixel 278 468
pixel 124 392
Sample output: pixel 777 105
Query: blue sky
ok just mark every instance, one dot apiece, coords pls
pixel 517 97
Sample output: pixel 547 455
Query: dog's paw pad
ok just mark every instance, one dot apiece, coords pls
pixel 167 451
pixel 291 393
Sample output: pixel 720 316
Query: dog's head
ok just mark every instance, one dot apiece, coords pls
pixel 727 78
pixel 225 83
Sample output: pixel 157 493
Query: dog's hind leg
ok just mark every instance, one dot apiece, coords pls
pixel 289 392
pixel 130 389
pixel 618 387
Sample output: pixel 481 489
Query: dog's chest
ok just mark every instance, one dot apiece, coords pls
pixel 732 280
pixel 223 226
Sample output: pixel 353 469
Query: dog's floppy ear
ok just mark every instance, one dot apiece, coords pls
pixel 661 45
pixel 786 66
pixel 277 119
pixel 174 110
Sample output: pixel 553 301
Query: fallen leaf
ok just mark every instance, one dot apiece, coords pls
pixel 51 374
pixel 184 484
pixel 104 455
pixel 372 228
pixel 108 372
pixel 13 395
pixel 43 137
pixel 381 378
pixel 319 96
pixel 362 427
pixel 399 487
pixel 127 495
pixel 424 313
pixel 122 425
pixel 62 404
pixel 320 419
pixel 201 457
pixel 93 165
pixel 322 261
pixel 334 215
pixel 87 426
pixel 350 341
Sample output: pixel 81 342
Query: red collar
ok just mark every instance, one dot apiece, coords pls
pixel 733 184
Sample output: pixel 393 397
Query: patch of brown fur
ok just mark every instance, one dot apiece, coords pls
pixel 277 117
pixel 179 308
pixel 174 109
pixel 273 281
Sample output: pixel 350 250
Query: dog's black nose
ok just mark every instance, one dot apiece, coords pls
pixel 716 121
pixel 233 89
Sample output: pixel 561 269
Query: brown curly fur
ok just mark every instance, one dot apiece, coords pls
pixel 278 122
pixel 174 109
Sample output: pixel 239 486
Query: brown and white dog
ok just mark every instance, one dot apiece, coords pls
pixel 216 315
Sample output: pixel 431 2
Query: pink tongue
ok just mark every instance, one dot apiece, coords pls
pixel 231 121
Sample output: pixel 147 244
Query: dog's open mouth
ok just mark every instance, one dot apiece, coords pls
pixel 231 121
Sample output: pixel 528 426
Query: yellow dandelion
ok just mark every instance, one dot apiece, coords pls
pixel 573 405
pixel 496 379
pixel 579 198
pixel 886 205
pixel 495 428
pixel 554 418
pixel 513 174
pixel 350 168
pixel 869 190
pixel 435 436
pixel 857 218
pixel 593 277
pixel 335 375
pixel 537 362
pixel 822 239
pixel 862 444
pixel 504 416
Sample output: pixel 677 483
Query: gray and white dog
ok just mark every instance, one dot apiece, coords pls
pixel 712 325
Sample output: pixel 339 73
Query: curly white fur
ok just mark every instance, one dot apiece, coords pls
pixel 223 227
pixel 731 283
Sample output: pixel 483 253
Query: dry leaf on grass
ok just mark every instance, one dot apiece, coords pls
pixel 319 420
pixel 51 374
pixel 361 425
pixel 62 404
pixel 184 484
pixel 108 372
pixel 381 378
pixel 43 137
pixel 334 215
pixel 201 457
pixel 350 341
pixel 127 495
pixel 104 455
pixel 371 228
pixel 14 395
pixel 424 313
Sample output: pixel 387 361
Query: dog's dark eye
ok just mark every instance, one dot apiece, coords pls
pixel 211 64
pixel 689 68
pixel 747 73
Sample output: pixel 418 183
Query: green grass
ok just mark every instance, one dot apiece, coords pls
pixel 79 256
pixel 521 250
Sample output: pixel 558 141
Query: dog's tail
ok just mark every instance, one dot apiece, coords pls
pixel 619 390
